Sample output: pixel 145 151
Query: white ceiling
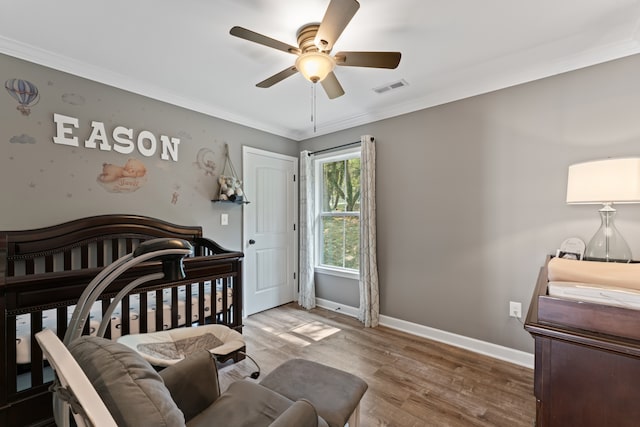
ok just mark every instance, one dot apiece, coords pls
pixel 181 52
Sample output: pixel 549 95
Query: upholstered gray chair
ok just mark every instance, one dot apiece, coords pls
pixel 184 394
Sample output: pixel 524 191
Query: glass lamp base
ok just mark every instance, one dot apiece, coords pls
pixel 607 244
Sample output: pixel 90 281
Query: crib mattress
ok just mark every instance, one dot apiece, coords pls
pixel 595 293
pixel 23 322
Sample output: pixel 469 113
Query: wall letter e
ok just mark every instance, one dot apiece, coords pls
pixel 62 131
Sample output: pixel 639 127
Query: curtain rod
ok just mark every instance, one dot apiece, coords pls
pixel 336 147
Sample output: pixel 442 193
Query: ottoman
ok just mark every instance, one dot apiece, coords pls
pixel 334 393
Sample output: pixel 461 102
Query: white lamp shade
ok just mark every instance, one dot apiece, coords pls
pixel 315 66
pixel 604 181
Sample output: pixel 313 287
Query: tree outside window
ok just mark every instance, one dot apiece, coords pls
pixel 339 211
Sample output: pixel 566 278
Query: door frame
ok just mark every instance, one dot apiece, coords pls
pixel 295 215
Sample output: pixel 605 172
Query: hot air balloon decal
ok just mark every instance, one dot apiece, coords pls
pixel 23 91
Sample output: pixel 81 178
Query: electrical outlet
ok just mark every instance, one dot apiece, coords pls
pixel 224 219
pixel 515 309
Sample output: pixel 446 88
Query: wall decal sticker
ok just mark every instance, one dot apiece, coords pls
pixel 23 91
pixel 73 99
pixel 176 194
pixel 123 179
pixel 22 139
pixel 204 161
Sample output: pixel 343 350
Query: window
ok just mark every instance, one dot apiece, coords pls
pixel 338 206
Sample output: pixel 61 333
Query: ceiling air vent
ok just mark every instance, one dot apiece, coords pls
pixel 391 86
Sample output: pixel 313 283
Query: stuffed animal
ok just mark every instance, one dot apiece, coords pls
pixel 230 188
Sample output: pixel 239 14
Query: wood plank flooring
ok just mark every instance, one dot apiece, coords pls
pixel 412 381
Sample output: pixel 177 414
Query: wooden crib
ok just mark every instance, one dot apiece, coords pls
pixel 44 271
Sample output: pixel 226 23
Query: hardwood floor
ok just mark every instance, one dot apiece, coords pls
pixel 412 381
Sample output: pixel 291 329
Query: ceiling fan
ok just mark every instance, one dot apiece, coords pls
pixel 315 42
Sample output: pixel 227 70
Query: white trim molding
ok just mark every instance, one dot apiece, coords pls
pixel 496 351
pixel 334 306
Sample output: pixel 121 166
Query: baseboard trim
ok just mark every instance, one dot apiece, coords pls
pixel 507 354
pixel 334 306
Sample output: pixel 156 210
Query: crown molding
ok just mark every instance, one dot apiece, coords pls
pixel 490 83
pixel 483 82
pixel 101 75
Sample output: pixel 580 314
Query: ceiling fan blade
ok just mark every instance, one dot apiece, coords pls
pixel 336 18
pixel 368 59
pixel 278 77
pixel 332 86
pixel 252 36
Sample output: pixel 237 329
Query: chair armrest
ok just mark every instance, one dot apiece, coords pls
pixel 301 414
pixel 193 383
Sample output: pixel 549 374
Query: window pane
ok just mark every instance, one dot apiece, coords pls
pixel 341 186
pixel 333 236
pixel 352 243
pixel 341 237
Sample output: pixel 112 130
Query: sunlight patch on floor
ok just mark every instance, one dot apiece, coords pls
pixel 317 331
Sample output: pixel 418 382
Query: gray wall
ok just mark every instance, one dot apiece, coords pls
pixel 471 196
pixel 45 183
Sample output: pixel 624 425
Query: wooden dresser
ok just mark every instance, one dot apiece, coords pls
pixel 587 361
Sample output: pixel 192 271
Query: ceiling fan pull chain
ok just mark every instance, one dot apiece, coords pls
pixel 314 118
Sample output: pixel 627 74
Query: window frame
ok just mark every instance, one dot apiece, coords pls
pixel 319 161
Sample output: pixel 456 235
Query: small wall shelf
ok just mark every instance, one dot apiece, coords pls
pixel 234 202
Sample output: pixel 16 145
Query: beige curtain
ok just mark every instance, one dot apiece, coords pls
pixel 369 312
pixel 307 292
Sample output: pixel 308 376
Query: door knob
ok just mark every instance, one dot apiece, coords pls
pixel 252 242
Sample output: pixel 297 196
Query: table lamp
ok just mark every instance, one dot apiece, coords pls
pixel 605 182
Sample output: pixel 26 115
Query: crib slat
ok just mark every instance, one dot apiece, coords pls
pixel 174 308
pixel 100 253
pixel 201 298
pixel 159 311
pixel 237 297
pixel 225 294
pixel 61 321
pixel 188 308
pixel 84 257
pixel 115 253
pixel 29 266
pixel 66 256
pixel 11 380
pixel 144 317
pixel 125 317
pixel 48 263
pixel 37 364
pixel 5 323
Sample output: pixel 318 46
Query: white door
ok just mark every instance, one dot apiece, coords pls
pixel 270 241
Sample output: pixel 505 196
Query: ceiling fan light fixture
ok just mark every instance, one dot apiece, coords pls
pixel 315 66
